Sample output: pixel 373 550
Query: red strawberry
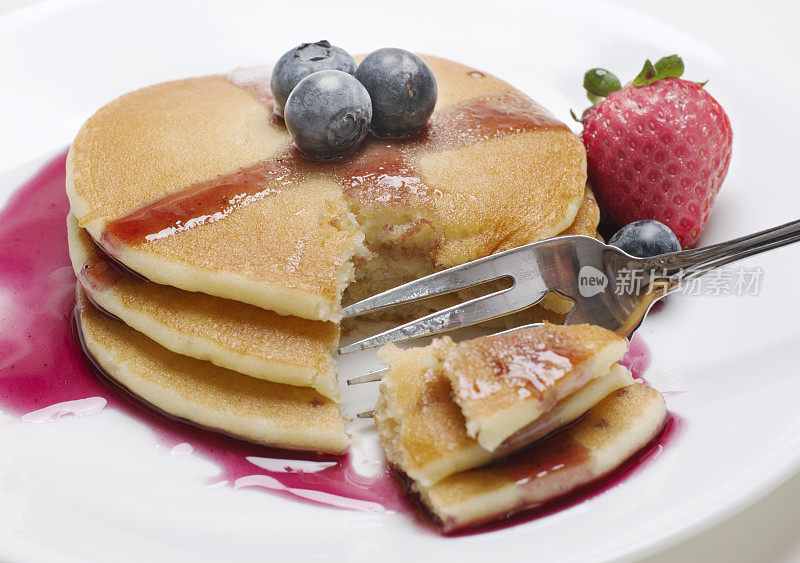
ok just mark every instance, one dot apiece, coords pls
pixel 658 148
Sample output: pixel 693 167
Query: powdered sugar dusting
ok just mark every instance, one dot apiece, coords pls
pixel 541 368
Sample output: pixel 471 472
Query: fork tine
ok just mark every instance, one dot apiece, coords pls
pixel 370 377
pixel 464 314
pixel 466 275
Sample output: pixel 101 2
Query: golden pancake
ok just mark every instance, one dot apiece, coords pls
pixel 230 334
pixel 423 431
pixel 506 381
pixel 587 218
pixel 600 442
pixel 204 394
pixel 192 184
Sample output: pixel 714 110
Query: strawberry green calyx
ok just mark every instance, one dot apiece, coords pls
pixel 599 83
pixel 667 67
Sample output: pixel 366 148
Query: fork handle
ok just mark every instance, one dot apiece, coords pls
pixel 689 264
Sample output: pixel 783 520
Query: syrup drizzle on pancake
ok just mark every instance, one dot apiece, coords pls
pixel 201 203
pixel 381 173
pixel 557 453
pixel 99 275
pixel 484 118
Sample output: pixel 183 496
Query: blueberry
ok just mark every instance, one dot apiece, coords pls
pixel 328 114
pixel 403 91
pixel 645 238
pixel 301 61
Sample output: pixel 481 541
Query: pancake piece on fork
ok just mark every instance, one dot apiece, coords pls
pixel 230 334
pixel 424 430
pixel 206 395
pixel 193 184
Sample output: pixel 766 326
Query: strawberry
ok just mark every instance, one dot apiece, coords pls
pixel 658 148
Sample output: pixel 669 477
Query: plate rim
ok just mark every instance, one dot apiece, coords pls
pixel 778 474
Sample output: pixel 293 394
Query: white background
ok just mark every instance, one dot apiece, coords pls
pixel 765 35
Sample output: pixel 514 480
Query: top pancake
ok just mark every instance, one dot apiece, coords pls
pixel 193 184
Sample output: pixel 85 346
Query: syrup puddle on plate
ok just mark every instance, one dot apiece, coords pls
pixel 44 376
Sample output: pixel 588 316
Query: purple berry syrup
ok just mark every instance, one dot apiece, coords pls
pixel 44 374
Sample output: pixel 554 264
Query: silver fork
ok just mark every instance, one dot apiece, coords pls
pixel 608 287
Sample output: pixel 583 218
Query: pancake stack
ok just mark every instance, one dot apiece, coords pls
pixel 221 257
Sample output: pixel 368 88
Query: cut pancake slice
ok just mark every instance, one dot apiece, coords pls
pixel 604 439
pixel 506 381
pixel 230 334
pixel 402 255
pixel 423 431
pixel 193 184
pixel 204 394
pixel 173 157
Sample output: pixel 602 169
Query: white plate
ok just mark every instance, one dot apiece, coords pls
pixel 100 487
